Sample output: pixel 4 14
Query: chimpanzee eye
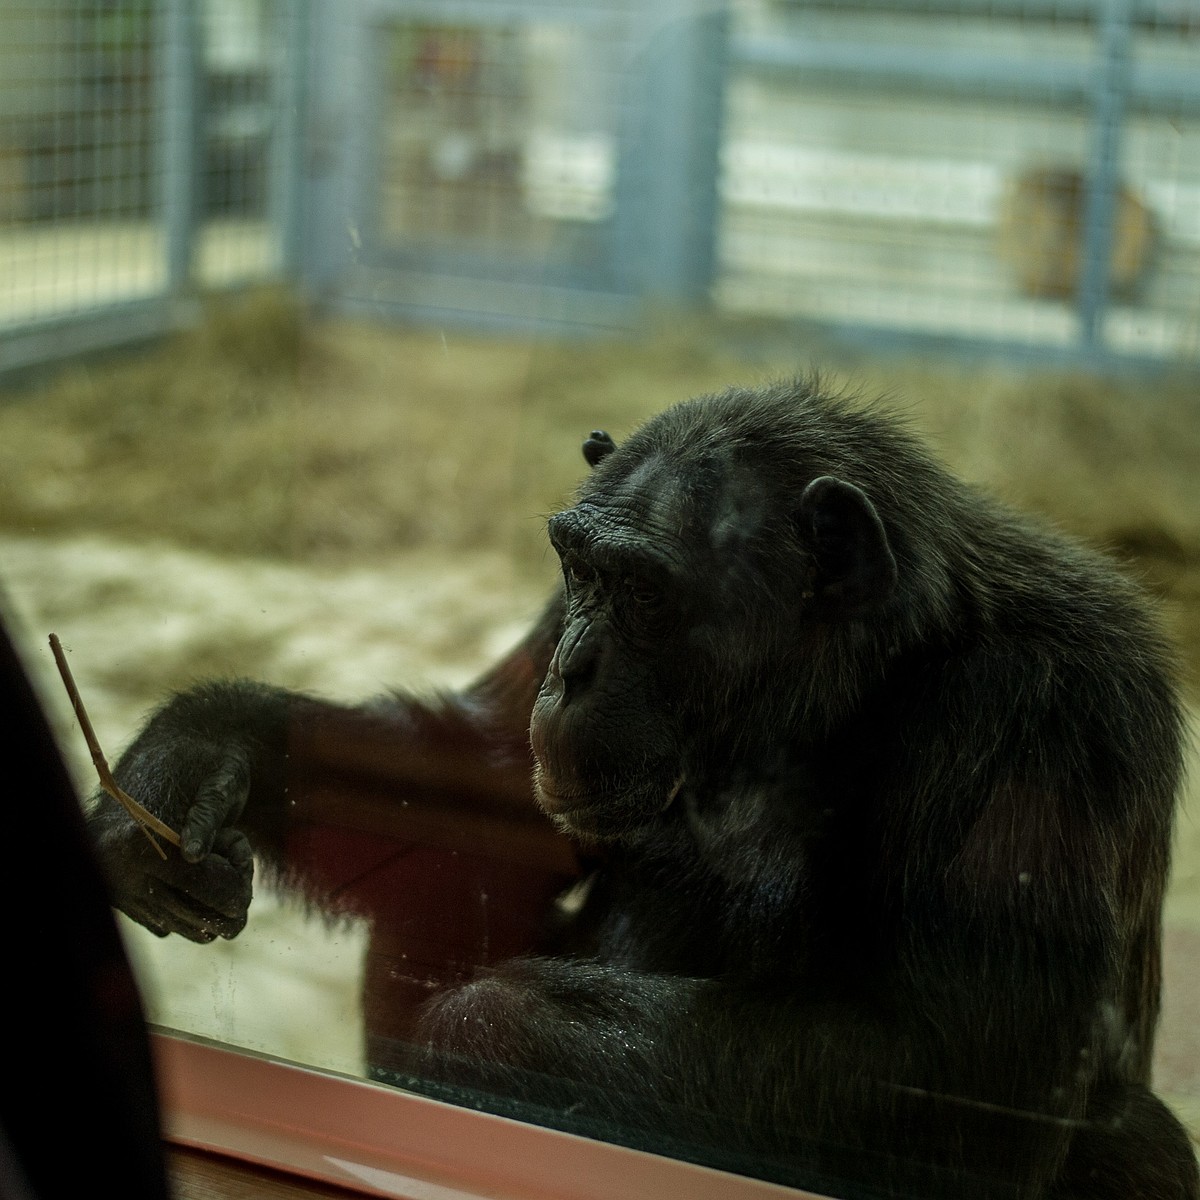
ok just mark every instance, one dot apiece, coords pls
pixel 580 572
pixel 643 596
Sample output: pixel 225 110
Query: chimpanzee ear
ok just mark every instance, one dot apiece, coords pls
pixel 599 445
pixel 855 567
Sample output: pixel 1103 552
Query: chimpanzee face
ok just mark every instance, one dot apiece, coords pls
pixel 684 573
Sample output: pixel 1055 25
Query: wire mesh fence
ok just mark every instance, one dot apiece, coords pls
pixel 137 156
pixel 933 167
pixel 482 155
pixel 1020 174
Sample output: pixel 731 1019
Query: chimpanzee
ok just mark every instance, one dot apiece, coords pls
pixel 854 795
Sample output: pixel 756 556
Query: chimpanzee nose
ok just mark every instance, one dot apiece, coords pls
pixel 574 663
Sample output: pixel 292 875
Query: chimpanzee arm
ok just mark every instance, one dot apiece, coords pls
pixel 902 1084
pixel 233 765
pixel 964 1022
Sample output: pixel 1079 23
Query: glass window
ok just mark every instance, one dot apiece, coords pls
pixel 839 855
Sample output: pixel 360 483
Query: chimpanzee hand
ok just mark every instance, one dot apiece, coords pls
pixel 201 889
pixel 192 766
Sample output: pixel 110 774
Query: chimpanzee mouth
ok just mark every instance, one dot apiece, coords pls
pixel 603 812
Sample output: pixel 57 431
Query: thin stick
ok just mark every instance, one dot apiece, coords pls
pixel 145 819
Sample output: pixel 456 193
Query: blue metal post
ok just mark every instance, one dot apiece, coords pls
pixel 1103 174
pixel 287 136
pixel 179 138
pixel 670 167
pixel 335 31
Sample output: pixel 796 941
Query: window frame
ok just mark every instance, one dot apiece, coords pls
pixel 382 1141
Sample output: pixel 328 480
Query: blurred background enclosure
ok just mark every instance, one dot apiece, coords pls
pixel 1013 174
pixel 306 307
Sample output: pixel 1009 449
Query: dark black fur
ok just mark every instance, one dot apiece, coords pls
pixel 872 784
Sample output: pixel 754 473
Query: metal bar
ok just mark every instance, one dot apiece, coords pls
pixel 333 103
pixel 179 139
pixel 1171 91
pixel 481 304
pixel 363 151
pixel 1174 90
pixel 769 339
pixel 667 205
pixel 1164 15
pixel 505 12
pixel 37 344
pixel 289 87
pixel 1111 86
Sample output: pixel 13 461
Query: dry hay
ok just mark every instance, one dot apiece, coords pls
pixel 262 435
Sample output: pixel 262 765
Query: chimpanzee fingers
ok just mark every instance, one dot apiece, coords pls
pixel 169 916
pixel 137 911
pixel 233 846
pixel 219 801
pixel 202 909
pixel 160 910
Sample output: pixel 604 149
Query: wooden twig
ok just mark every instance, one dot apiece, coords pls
pixel 145 819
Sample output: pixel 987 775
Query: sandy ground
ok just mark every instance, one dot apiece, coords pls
pixel 289 985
